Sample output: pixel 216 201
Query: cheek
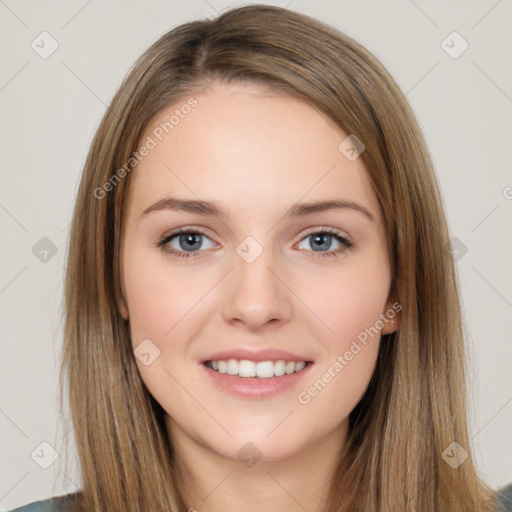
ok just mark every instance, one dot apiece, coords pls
pixel 355 309
pixel 350 300
pixel 161 308
pixel 350 305
pixel 158 299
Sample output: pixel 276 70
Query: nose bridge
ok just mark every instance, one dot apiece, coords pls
pixel 257 295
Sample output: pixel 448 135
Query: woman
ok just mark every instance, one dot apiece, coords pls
pixel 212 347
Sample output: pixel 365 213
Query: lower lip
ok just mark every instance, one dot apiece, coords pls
pixel 251 387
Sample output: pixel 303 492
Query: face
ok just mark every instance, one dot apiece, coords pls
pixel 248 278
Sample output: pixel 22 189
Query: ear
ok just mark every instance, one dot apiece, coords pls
pixel 119 291
pixel 121 306
pixel 392 317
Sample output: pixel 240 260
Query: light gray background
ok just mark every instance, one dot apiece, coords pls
pixel 51 107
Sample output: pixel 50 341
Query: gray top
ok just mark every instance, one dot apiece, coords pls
pixel 64 503
pixel 55 504
pixel 505 498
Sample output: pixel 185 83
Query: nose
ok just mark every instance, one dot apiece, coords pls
pixel 256 293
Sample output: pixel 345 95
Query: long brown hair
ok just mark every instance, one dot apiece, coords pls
pixel 415 405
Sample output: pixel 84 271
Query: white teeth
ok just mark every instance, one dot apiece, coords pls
pixel 299 366
pixel 232 367
pixel 261 369
pixel 279 368
pixel 265 369
pixel 246 368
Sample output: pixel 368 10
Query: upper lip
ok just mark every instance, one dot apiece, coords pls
pixel 268 354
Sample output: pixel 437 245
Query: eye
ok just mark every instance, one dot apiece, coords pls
pixel 189 241
pixel 322 238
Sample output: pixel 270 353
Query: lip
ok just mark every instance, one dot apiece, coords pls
pixel 253 387
pixel 268 354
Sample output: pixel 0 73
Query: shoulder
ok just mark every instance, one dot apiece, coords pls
pixel 55 504
pixel 505 499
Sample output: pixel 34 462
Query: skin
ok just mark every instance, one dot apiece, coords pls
pixel 254 154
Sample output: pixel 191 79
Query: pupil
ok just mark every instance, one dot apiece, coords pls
pixel 322 237
pixel 190 240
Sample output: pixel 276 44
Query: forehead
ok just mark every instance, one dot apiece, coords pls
pixel 243 146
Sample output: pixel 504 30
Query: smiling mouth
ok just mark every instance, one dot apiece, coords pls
pixel 245 368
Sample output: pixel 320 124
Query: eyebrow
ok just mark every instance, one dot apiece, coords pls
pixel 200 207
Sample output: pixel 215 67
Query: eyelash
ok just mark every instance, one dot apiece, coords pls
pixel 162 244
